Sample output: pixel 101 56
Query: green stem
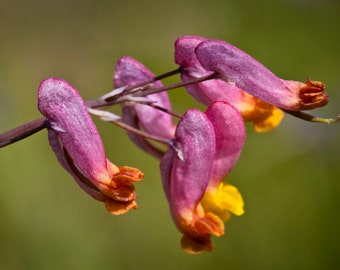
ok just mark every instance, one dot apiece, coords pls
pixel 311 118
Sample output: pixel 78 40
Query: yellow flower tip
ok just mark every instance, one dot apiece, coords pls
pixel 119 208
pixel 208 219
pixel 264 116
pixel 196 246
pixel 269 123
pixel 223 200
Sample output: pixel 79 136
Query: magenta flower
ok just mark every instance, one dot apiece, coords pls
pixel 208 146
pixel 240 69
pixel 263 115
pixel 78 146
pixel 129 72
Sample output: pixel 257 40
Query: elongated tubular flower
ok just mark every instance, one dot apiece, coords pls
pixel 263 115
pixel 77 144
pixel 129 71
pixel 236 67
pixel 209 145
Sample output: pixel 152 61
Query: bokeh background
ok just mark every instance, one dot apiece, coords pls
pixel 289 177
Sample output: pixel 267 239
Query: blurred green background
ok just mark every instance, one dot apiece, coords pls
pixel 289 177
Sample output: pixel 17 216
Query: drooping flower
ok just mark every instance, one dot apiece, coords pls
pixel 207 146
pixel 263 115
pixel 240 69
pixel 77 144
pixel 129 71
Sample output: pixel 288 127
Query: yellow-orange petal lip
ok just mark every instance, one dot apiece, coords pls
pixel 268 118
pixel 263 115
pixel 124 193
pixel 126 175
pixel 223 200
pixel 196 246
pixel 119 208
pixel 209 224
pixel 131 174
pixel 270 122
pixel 120 191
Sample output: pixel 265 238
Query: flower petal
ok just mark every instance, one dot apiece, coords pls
pixel 129 71
pixel 223 200
pixel 237 67
pixel 210 144
pixel 230 136
pixel 78 146
pixel 185 181
pixel 63 159
pixel 263 115
pixel 130 118
pixel 61 104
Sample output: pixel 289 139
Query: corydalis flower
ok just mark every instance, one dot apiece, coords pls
pixel 263 115
pixel 129 71
pixel 208 146
pixel 236 67
pixel 75 140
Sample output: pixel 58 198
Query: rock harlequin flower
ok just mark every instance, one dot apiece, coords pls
pixel 263 115
pixel 238 68
pixel 77 144
pixel 129 71
pixel 208 146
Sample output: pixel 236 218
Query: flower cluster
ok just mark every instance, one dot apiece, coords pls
pixel 200 149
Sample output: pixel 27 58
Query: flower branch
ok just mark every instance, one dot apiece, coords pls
pixel 195 153
pixel 22 132
pixel 114 119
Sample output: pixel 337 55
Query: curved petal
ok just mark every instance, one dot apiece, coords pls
pixel 77 144
pixel 209 144
pixel 239 68
pixel 130 118
pixel 230 136
pixel 263 115
pixel 185 53
pixel 185 180
pixel 61 104
pixel 129 71
pixel 61 155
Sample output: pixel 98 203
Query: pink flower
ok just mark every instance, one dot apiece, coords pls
pixel 240 69
pixel 208 146
pixel 130 72
pixel 263 115
pixel 78 146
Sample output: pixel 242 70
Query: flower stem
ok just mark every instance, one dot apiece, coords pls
pixel 174 85
pixel 165 110
pixel 311 118
pixel 141 133
pixel 138 87
pixel 114 119
pixel 141 89
pixel 23 131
